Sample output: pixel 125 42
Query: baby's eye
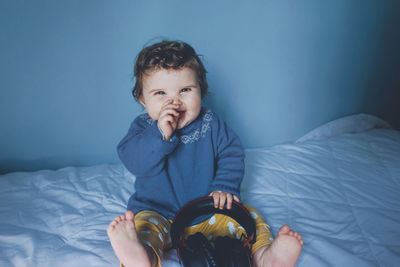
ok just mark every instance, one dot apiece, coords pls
pixel 184 90
pixel 159 93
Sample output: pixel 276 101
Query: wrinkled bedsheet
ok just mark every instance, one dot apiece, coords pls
pixel 342 193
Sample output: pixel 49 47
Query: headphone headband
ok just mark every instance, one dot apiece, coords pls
pixel 204 206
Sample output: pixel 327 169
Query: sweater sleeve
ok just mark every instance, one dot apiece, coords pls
pixel 143 150
pixel 229 161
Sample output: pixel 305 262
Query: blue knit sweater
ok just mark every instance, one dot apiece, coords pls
pixel 200 158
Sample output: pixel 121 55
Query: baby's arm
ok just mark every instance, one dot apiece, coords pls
pixel 229 166
pixel 143 150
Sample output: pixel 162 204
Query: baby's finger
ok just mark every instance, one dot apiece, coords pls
pixel 170 116
pixel 236 198
pixel 216 199
pixel 222 200
pixel 169 103
pixel 166 120
pixel 167 124
pixel 168 111
pixel 228 201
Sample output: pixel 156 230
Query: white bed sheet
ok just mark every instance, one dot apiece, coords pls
pixel 340 192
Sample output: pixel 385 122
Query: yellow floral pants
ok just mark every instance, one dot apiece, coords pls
pixel 154 230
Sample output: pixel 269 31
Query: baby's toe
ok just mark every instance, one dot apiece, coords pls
pixel 129 215
pixel 284 229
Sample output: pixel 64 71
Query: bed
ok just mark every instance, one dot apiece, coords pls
pixel 339 186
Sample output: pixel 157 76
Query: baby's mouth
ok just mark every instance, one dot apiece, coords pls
pixel 181 114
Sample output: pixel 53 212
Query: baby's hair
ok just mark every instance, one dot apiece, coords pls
pixel 168 55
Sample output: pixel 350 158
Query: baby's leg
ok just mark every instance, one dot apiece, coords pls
pixel 283 252
pixel 128 248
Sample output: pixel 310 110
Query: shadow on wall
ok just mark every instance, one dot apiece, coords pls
pixel 387 77
pixel 391 111
pixel 49 163
pixel 22 165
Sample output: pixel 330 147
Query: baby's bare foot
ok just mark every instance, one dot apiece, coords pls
pixel 123 238
pixel 283 252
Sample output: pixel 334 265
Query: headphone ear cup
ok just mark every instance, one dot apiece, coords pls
pixel 198 252
pixel 231 252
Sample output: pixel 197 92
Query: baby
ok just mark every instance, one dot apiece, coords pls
pixel 180 151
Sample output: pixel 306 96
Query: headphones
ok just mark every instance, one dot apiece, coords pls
pixel 198 251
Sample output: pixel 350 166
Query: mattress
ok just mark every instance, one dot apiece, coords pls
pixel 339 186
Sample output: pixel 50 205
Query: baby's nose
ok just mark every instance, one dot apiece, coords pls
pixel 176 101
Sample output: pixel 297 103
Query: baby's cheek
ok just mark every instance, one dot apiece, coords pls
pixel 154 114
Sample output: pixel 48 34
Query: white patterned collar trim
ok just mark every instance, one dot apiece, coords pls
pixel 199 132
pixel 146 117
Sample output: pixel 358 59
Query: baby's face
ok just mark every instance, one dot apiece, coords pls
pixel 181 86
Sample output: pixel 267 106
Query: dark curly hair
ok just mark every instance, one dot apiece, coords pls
pixel 168 55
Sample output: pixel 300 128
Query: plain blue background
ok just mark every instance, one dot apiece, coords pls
pixel 276 69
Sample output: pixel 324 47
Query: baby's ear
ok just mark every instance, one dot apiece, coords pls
pixel 141 101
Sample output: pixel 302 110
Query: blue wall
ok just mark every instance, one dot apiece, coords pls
pixel 277 69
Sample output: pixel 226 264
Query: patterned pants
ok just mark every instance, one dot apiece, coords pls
pixel 154 230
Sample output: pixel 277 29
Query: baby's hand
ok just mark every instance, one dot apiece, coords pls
pixel 221 197
pixel 167 119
